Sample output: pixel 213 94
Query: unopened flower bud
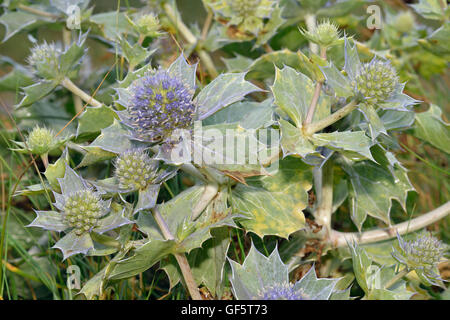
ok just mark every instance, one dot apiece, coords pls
pixel 325 34
pixel 82 210
pixel 44 59
pixel 376 81
pixel 135 170
pixel 148 25
pixel 40 140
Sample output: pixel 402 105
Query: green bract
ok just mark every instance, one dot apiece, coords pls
pixel 266 278
pixel 81 212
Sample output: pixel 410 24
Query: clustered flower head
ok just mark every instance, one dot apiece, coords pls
pixel 44 59
pixel 281 291
pixel 146 24
pixel 325 34
pixel 82 209
pixel 81 212
pixel 376 80
pixel 40 140
pixel 244 7
pixel 160 104
pixel 422 255
pixel 135 170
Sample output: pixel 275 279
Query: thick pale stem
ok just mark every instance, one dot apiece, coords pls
pixel 210 192
pixel 338 115
pixel 396 278
pixel 324 188
pixel 340 239
pixel 69 85
pixel 37 11
pixel 191 39
pixel 310 20
pixel 44 158
pixel 316 96
pixel 180 257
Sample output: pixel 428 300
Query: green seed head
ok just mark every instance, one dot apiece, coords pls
pixel 44 59
pixel 135 170
pixel 404 22
pixel 326 34
pixel 376 81
pixel 40 140
pixel 82 210
pixel 148 25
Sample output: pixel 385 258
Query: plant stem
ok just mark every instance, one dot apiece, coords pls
pixel 208 62
pixel 37 11
pixel 207 24
pixel 67 38
pixel 338 115
pixel 44 158
pixel 340 239
pixel 316 96
pixel 180 257
pixel 396 278
pixel 191 39
pixel 323 181
pixel 311 21
pixel 210 192
pixel 69 85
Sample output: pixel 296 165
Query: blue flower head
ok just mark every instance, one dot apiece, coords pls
pixel 282 291
pixel 160 104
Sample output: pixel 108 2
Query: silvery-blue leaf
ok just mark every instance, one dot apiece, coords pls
pixel 352 62
pixel 256 273
pixel 114 220
pixel 71 182
pixel 59 200
pixel 376 126
pixel 112 139
pixel 49 220
pixel 147 198
pixel 72 244
pixel 124 97
pixel 221 92
pixel 399 101
pixel 336 80
pixel 181 69
pixel 314 288
pixel 393 119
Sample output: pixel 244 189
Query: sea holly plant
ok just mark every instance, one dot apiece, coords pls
pixel 266 278
pixel 81 213
pixel 257 150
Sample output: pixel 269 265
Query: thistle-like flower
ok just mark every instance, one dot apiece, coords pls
pixel 326 34
pixel 147 25
pixel 135 170
pixel 421 255
pixel 283 291
pixel 44 59
pixel 41 140
pixel 160 104
pixel 81 212
pixel 376 80
pixel 267 278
